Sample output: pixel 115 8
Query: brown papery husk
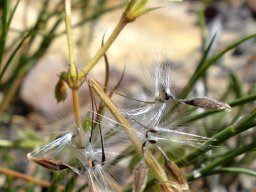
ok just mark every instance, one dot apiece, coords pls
pixel 140 177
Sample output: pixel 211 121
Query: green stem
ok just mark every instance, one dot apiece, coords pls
pixel 242 125
pixel 243 100
pixel 4 27
pixel 13 55
pixel 233 170
pixel 121 24
pixel 223 160
pixel 94 16
pixel 72 66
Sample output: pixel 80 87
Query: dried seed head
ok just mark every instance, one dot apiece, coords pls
pixel 207 103
pixel 140 178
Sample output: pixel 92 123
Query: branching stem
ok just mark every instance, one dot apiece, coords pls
pixel 121 24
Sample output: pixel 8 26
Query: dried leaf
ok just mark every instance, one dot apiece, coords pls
pixel 207 103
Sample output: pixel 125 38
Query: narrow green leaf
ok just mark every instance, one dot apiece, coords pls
pixel 205 64
pixel 13 55
pixel 243 124
pixel 223 160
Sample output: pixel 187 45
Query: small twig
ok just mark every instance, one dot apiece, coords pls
pixel 30 179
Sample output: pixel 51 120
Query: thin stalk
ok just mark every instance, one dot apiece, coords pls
pixel 223 160
pixel 73 76
pixel 76 107
pixel 12 14
pixel 72 66
pixel 4 28
pixel 242 125
pixel 27 178
pixel 13 55
pixel 121 24
pixel 153 164
pixel 77 114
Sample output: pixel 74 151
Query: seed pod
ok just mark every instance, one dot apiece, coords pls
pixel 140 178
pixel 61 89
pixel 51 164
pixel 207 103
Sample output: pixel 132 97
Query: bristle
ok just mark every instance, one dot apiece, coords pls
pixel 53 147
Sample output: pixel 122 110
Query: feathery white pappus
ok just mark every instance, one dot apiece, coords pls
pixel 150 105
pixel 61 154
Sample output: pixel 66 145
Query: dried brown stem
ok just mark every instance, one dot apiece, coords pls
pixel 30 179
